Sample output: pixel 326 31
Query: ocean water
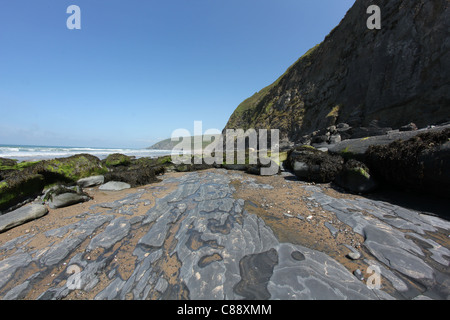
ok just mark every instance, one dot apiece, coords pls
pixel 34 153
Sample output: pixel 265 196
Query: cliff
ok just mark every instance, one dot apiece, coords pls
pixel 396 75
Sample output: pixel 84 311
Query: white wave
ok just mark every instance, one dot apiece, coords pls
pixel 8 149
pixel 30 153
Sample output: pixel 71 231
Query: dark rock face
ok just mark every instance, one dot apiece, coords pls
pixel 420 163
pixel 395 75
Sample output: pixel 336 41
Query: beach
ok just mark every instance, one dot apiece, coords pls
pixel 221 234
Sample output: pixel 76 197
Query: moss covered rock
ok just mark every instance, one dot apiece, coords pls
pixel 72 168
pixel 310 164
pixel 136 172
pixel 29 180
pixel 117 159
pixel 137 176
pixel 19 188
pixel 7 163
pixel 421 163
pixel 356 178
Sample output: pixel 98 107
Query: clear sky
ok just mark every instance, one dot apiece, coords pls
pixel 139 69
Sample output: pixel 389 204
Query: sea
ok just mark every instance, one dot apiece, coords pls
pixel 35 153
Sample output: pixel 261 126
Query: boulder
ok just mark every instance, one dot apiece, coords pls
pixel 67 199
pixel 19 187
pixel 7 163
pixel 137 176
pixel 114 186
pixel 356 178
pixel 91 181
pixel 138 172
pixel 421 163
pixel 117 159
pixel 21 216
pixel 313 165
pixel 70 169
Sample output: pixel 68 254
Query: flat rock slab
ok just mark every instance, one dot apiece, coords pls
pixel 114 186
pixel 21 216
pixel 359 146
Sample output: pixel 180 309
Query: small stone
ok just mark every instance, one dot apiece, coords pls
pixel 297 255
pixel 358 274
pixel 354 255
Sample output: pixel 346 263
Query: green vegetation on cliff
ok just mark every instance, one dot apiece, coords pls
pixel 250 104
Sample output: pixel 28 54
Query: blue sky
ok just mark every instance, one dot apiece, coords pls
pixel 137 70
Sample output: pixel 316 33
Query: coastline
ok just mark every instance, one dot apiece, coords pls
pixel 177 231
pixel 36 153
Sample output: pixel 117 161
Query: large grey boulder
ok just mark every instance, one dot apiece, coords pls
pixel 67 199
pixel 114 186
pixel 91 181
pixel 22 215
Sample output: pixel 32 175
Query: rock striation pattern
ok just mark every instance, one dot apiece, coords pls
pixel 199 242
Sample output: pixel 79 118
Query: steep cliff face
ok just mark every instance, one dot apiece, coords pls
pixel 396 75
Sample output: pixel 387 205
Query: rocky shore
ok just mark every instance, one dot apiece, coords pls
pixel 219 234
pixel 127 228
